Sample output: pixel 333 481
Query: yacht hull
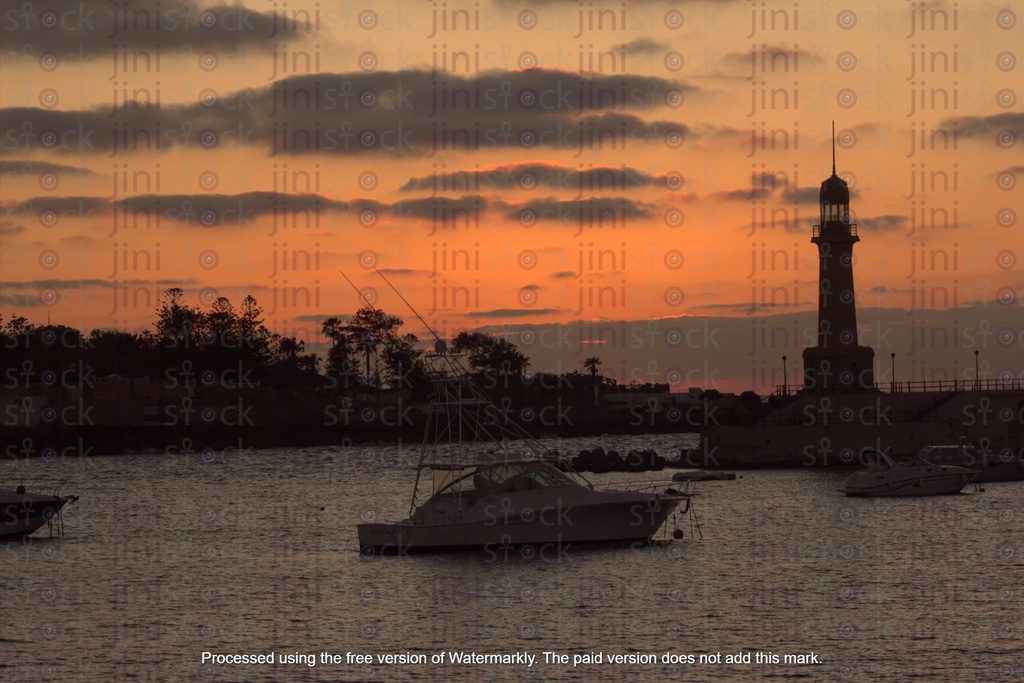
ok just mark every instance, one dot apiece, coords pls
pixel 549 529
pixel 24 513
pixel 1000 466
pixel 895 483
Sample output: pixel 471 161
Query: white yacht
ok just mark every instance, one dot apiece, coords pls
pixel 22 512
pixel 501 499
pixel 1002 465
pixel 918 478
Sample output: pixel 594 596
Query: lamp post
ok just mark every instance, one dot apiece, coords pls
pixel 892 385
pixel 785 378
pixel 977 375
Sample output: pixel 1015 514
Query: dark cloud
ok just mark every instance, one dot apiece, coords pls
pixel 395 113
pixel 883 223
pixel 642 46
pixel 773 59
pixel 78 206
pixel 510 313
pixel 801 195
pixel 211 210
pixel 766 184
pixel 8 228
pixel 739 308
pixel 55 27
pixel 735 134
pixel 198 210
pixel 143 128
pixel 404 271
pixel 170 283
pixel 562 274
pixel 542 175
pixel 49 210
pixel 769 180
pixel 32 168
pixel 992 126
pixel 206 211
pixel 440 208
pixel 587 213
pixel 741 195
pixel 57 284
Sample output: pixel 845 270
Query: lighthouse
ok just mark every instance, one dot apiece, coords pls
pixel 838 363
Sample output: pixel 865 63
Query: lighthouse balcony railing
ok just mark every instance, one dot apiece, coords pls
pixel 842 229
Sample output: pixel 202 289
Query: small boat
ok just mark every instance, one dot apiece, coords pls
pixel 703 475
pixel 992 466
pixel 514 495
pixel 22 512
pixel 917 478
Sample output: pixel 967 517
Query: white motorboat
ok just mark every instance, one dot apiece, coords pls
pixel 917 478
pixel 1001 465
pixel 22 512
pixel 500 499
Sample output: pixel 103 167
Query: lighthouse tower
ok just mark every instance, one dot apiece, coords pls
pixel 837 363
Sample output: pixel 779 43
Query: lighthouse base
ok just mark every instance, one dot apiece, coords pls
pixel 830 370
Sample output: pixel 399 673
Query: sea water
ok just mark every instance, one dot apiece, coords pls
pixel 243 555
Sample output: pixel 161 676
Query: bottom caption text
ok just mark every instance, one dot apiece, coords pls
pixel 523 658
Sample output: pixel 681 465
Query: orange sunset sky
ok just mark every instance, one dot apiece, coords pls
pixel 636 181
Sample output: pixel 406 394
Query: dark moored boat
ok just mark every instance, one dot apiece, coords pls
pixel 23 512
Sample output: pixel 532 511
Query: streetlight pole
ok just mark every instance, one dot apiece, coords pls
pixel 785 378
pixel 977 375
pixel 892 385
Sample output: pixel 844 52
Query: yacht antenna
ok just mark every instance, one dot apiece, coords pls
pixel 406 302
pixel 358 291
pixel 440 345
pixel 423 448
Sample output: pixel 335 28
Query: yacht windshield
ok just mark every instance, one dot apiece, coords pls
pixel 464 485
pixel 545 478
pixel 508 477
pixel 483 480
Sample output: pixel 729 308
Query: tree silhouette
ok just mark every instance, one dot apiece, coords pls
pixel 210 342
pixel 388 357
pixel 339 357
pixel 177 325
pixel 370 329
pixel 113 352
pixel 490 354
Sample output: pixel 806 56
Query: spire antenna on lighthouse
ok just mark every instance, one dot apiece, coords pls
pixel 833 148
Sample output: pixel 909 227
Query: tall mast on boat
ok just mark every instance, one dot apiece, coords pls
pixel 460 410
